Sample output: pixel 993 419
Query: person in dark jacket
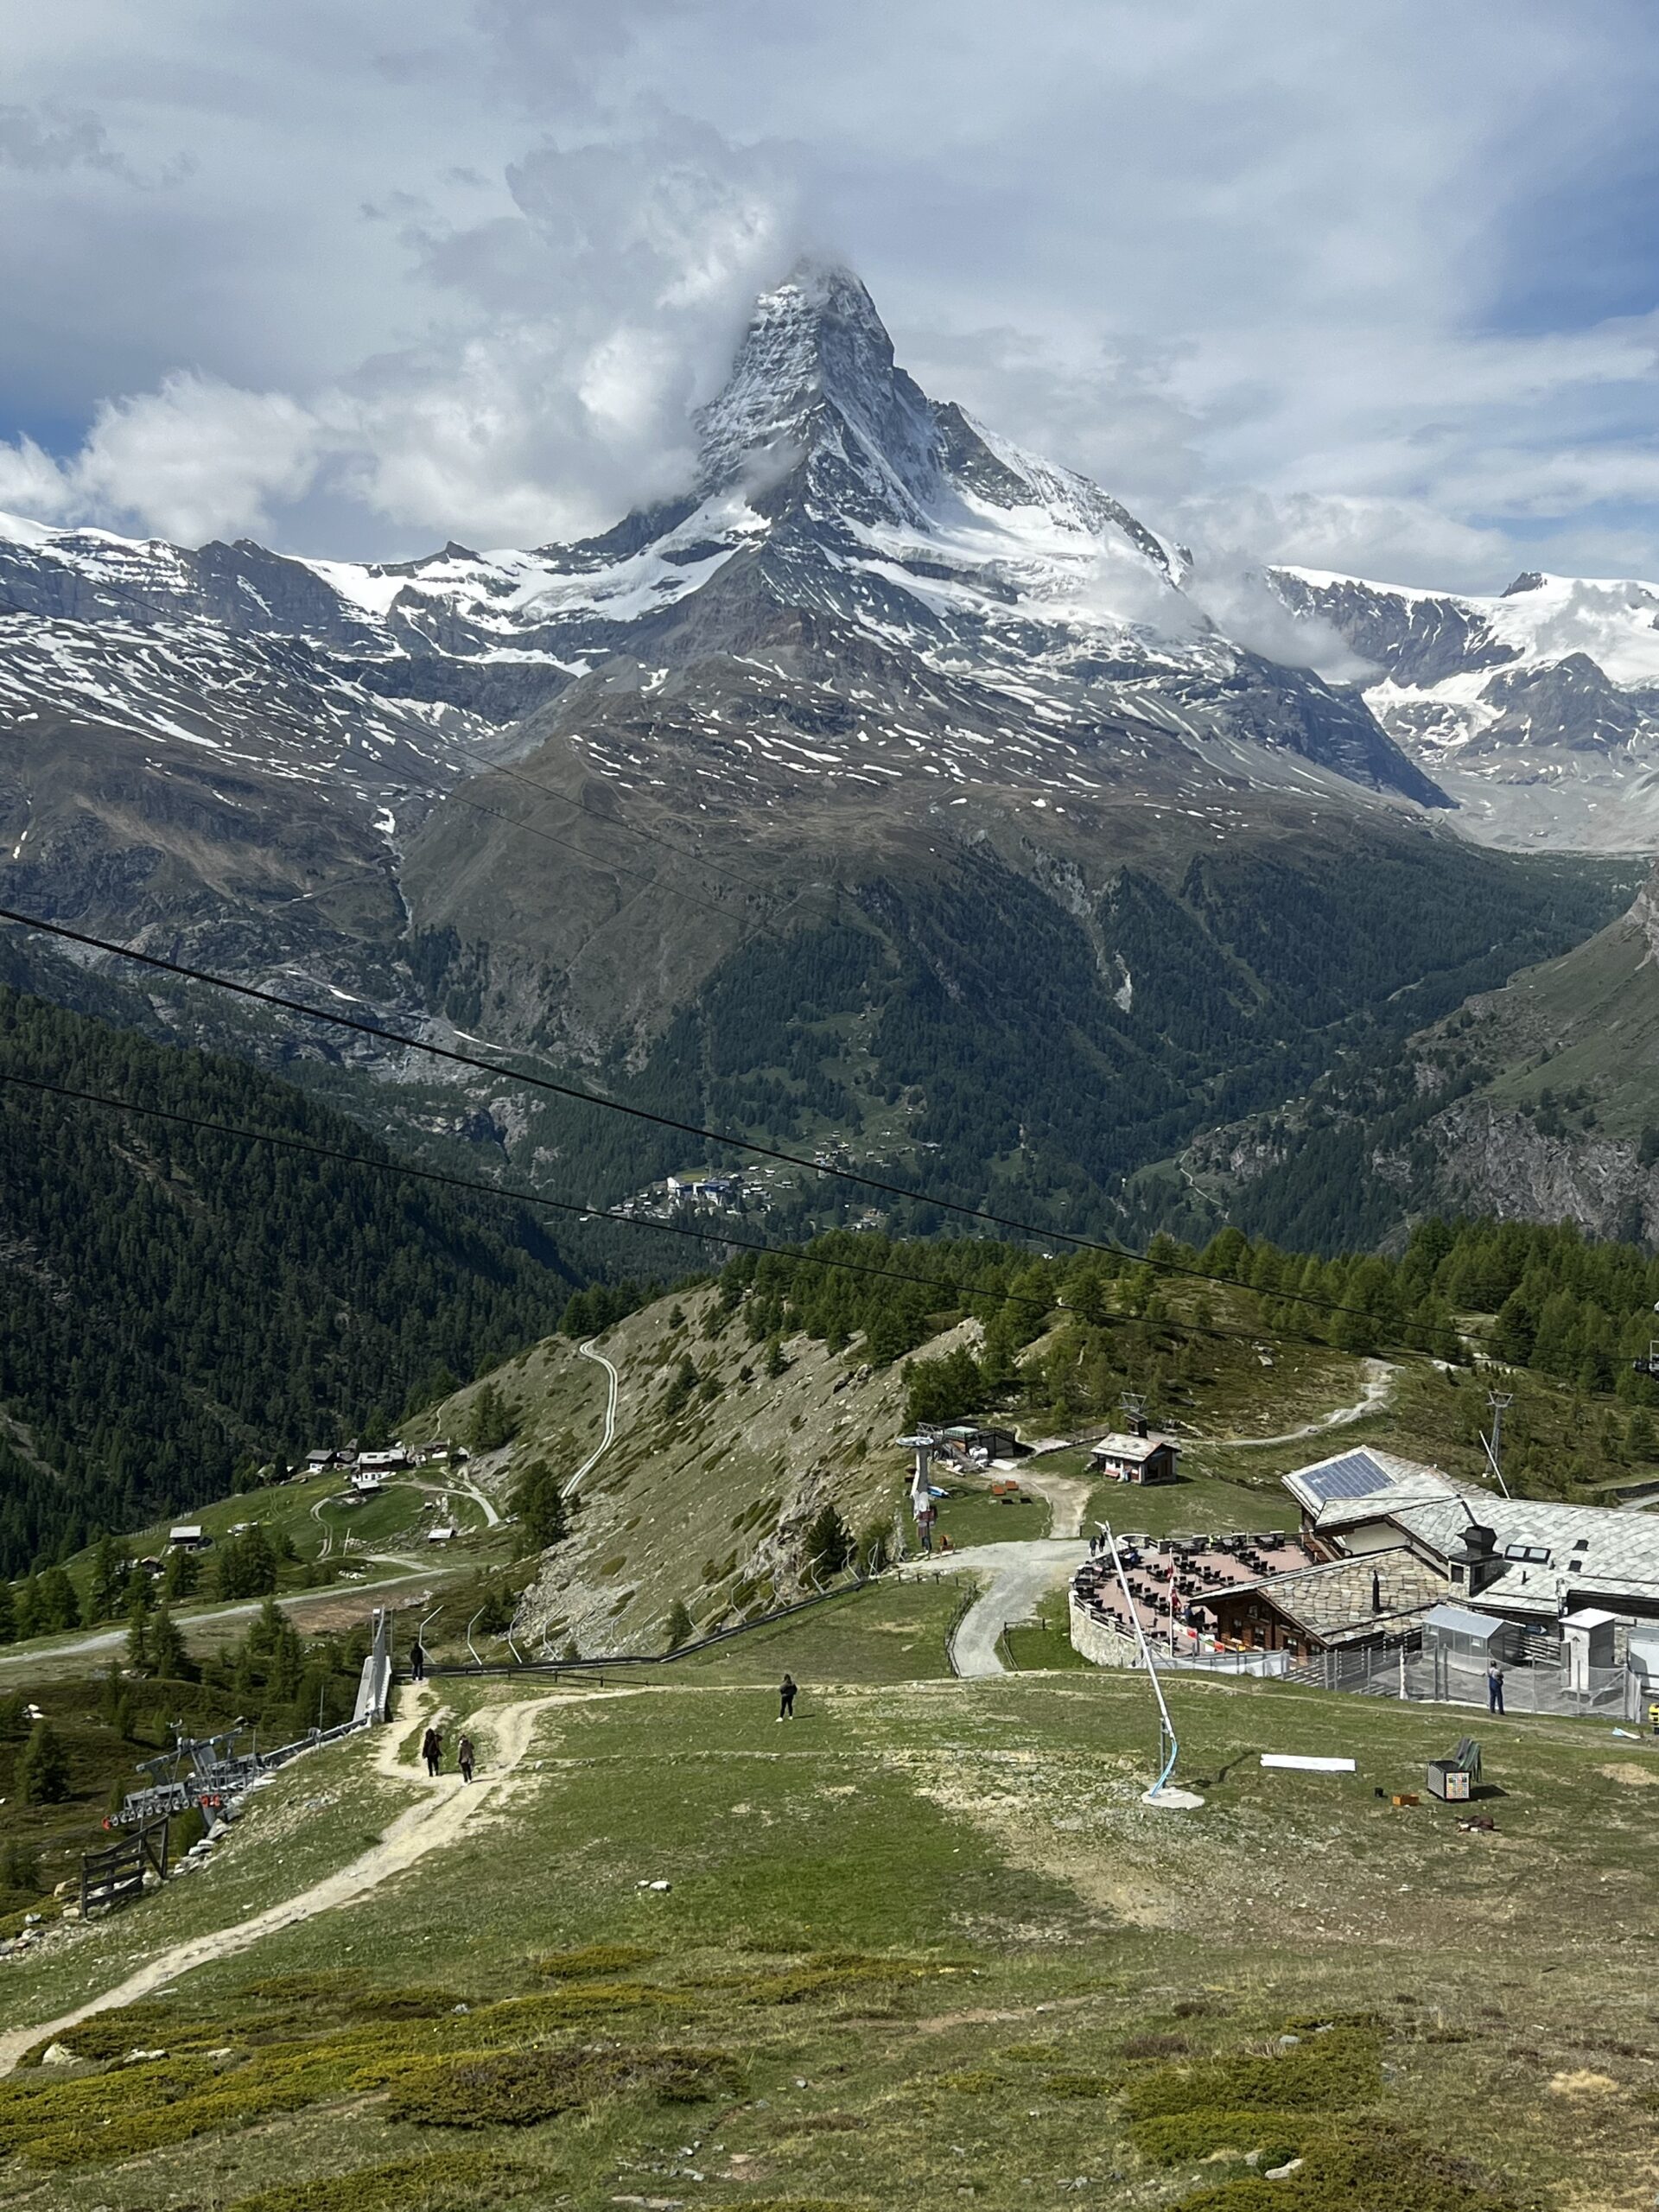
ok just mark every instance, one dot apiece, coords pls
pixel 786 1698
pixel 432 1751
pixel 1494 1687
pixel 417 1661
pixel 465 1757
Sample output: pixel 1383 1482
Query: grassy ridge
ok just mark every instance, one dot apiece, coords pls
pixel 925 1940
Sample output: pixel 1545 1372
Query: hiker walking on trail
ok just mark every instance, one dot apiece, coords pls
pixel 465 1757
pixel 786 1698
pixel 417 1661
pixel 432 1751
pixel 1494 1687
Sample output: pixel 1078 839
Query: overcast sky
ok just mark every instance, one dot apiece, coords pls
pixel 1374 287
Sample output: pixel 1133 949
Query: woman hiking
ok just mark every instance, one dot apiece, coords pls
pixel 465 1757
pixel 432 1751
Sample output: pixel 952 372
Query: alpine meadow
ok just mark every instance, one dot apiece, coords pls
pixel 828 1108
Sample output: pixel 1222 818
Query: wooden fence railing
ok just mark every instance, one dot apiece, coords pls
pixel 115 1876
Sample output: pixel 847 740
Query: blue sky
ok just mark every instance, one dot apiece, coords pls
pixel 1367 289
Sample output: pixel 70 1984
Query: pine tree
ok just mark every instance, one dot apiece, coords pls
pixel 7 1614
pixel 57 1607
pixel 105 1600
pixel 679 1627
pixel 168 1659
pixel 138 1639
pixel 494 1422
pixel 42 1774
pixel 828 1543
pixel 537 1505
pixel 1640 1440
pixel 181 1576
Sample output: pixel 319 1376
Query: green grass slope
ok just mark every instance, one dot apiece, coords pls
pixel 925 1946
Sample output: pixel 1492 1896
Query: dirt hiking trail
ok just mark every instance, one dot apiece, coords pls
pixel 444 1809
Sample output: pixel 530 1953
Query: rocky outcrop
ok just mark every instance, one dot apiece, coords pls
pixel 1492 1159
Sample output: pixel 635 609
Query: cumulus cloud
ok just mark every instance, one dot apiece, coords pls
pixel 1277 275
pixel 198 458
pixel 33 485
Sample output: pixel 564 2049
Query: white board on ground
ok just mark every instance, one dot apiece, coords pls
pixel 1307 1766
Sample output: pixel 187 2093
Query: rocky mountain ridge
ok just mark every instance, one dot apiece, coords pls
pixel 1537 710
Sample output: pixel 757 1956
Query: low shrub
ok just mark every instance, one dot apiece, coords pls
pixel 148 2106
pixel 521 2088
pixel 1182 2137
pixel 432 2182
pixel 1361 2168
pixel 825 1974
pixel 1080 2085
pixel 1154 2046
pixel 1033 2054
pixel 592 1960
pixel 978 2081
pixel 1328 2073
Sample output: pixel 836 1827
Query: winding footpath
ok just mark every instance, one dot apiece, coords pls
pixel 442 1810
pixel 1016 1574
pixel 586 1351
pixel 1379 1376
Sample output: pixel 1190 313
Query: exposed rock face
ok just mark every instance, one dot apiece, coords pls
pixel 1500 1163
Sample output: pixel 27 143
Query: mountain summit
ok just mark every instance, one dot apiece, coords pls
pixel 891 787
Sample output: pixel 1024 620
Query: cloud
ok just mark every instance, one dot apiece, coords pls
pixel 1257 266
pixel 56 138
pixel 33 485
pixel 196 460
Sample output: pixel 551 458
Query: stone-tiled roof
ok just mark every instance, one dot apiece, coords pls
pixel 1589 1553
pixel 1334 1602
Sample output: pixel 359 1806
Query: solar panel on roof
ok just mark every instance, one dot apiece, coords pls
pixel 1355 1475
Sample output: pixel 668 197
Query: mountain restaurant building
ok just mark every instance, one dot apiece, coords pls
pixel 1527 1560
pixel 1125 1458
pixel 1340 1606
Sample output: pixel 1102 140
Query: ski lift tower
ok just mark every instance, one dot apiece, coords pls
pixel 924 1444
pixel 1649 1366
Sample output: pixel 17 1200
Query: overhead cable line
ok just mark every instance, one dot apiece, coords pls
pixel 394 1165
pixel 448 1052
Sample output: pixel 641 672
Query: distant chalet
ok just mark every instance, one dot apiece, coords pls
pixel 1124 1459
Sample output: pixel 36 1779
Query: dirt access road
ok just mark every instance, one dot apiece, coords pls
pixel 444 1809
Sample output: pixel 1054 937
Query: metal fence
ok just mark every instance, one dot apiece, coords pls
pixel 116 1875
pixel 1402 1667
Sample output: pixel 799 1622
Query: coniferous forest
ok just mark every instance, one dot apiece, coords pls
pixel 174 1303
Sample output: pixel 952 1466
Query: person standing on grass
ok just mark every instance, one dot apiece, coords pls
pixel 1494 1687
pixel 786 1698
pixel 417 1661
pixel 432 1751
pixel 465 1757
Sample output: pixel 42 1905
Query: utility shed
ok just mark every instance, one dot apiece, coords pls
pixel 1471 1639
pixel 1587 1644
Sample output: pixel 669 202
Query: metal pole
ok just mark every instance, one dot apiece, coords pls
pixel 471 1625
pixel 1497 1400
pixel 1166 1725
